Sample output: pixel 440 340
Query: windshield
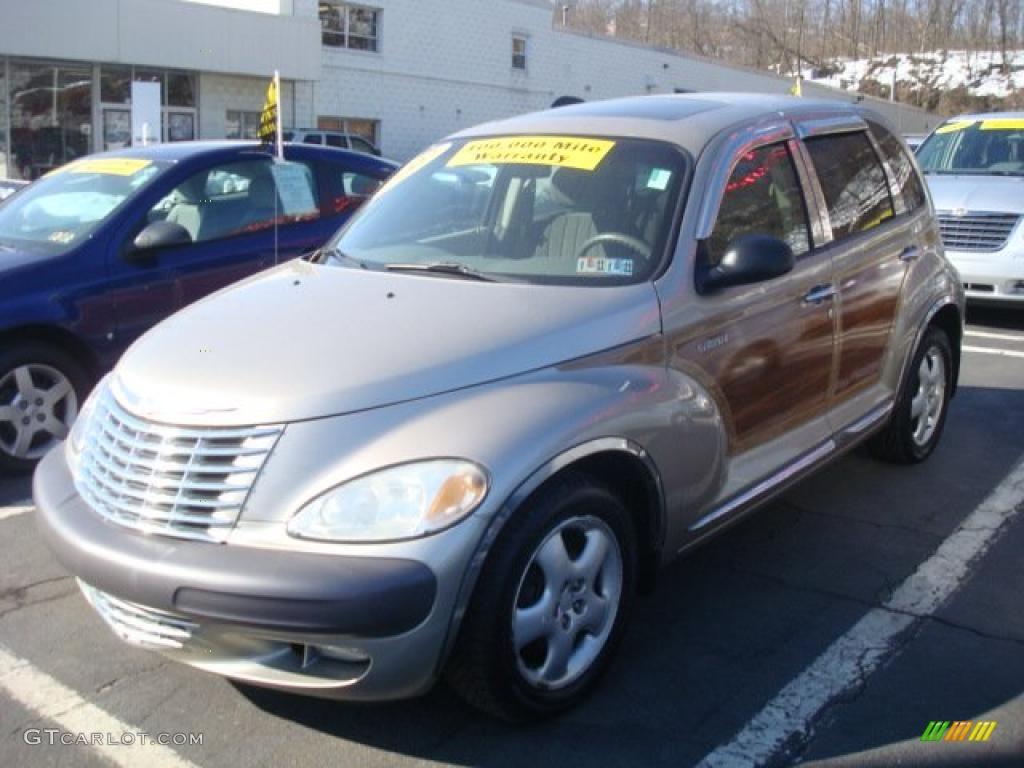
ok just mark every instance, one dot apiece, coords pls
pixel 556 209
pixel 994 146
pixel 60 210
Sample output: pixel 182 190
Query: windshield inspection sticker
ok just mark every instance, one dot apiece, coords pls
pixel 595 265
pixel 562 151
pixel 111 166
pixel 659 179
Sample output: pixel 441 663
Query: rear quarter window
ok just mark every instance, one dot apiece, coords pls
pixel 902 167
pixel 853 181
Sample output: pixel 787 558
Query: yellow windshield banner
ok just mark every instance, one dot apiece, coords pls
pixel 562 151
pixel 955 125
pixel 111 166
pixel 1003 124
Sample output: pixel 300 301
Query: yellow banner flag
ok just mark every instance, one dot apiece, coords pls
pixel 270 128
pixel 797 89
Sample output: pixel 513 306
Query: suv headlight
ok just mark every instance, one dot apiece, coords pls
pixel 76 439
pixel 400 502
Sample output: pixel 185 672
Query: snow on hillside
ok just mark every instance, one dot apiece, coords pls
pixel 979 71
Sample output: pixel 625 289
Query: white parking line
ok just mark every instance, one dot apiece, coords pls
pixel 57 703
pixel 854 656
pixel 993 351
pixel 20 508
pixel 999 336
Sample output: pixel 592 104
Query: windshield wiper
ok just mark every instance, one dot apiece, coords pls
pixel 322 255
pixel 443 267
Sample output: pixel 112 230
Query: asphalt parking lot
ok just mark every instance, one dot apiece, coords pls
pixel 829 629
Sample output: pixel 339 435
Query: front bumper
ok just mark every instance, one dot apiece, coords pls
pixel 339 626
pixel 993 278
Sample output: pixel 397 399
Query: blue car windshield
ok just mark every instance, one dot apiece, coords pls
pixel 575 210
pixel 59 211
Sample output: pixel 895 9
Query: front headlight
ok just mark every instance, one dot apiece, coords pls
pixel 76 439
pixel 401 502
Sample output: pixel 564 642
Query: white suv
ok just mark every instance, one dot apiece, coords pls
pixel 975 170
pixel 337 139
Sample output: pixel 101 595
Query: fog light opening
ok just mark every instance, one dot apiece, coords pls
pixel 1017 287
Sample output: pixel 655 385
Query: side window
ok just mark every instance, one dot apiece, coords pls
pixel 902 167
pixel 361 145
pixel 762 197
pixel 239 197
pixel 853 181
pixel 312 138
pixel 333 140
pixel 349 189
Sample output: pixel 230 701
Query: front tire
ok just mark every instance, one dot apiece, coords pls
pixel 41 390
pixel 551 604
pixel 919 415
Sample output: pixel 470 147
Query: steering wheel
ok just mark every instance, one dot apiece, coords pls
pixel 635 244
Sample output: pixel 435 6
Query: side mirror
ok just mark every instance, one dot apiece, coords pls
pixel 748 259
pixel 157 235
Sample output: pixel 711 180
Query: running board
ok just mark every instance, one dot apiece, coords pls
pixel 850 434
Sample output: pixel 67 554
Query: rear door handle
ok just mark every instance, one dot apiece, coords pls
pixel 819 294
pixel 910 253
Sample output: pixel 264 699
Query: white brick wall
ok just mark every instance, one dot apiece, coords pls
pixel 219 93
pixel 446 64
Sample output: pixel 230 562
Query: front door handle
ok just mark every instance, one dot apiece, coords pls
pixel 819 294
pixel 910 253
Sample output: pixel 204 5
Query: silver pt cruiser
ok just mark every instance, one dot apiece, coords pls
pixel 551 354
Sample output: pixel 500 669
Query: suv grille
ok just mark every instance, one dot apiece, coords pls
pixel 188 482
pixel 976 230
pixel 138 624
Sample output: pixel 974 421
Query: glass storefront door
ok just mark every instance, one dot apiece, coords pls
pixel 51 116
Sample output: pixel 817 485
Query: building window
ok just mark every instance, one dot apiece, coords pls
pixel 350 26
pixel 357 126
pixel 241 124
pixel 518 52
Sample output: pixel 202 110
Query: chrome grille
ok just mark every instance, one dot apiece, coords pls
pixel 138 624
pixel 188 482
pixel 976 230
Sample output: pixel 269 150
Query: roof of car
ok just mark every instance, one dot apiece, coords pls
pixel 687 119
pixel 182 150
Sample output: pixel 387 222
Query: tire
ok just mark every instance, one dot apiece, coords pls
pixel 56 384
pixel 579 604
pixel 907 439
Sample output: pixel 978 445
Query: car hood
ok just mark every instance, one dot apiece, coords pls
pixel 1001 194
pixel 303 341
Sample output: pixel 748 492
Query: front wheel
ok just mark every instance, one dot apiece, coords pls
pixel 919 415
pixel 551 604
pixel 41 388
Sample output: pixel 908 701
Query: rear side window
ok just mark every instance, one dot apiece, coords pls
pixel 907 180
pixel 347 189
pixel 853 181
pixel 333 140
pixel 761 197
pixel 312 138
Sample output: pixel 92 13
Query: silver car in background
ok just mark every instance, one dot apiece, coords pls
pixel 974 165
pixel 550 354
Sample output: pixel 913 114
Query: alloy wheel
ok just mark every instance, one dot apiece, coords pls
pixel 566 603
pixel 38 404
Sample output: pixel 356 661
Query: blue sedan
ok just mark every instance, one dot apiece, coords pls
pixel 99 250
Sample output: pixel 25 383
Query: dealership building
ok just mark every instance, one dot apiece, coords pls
pixel 402 73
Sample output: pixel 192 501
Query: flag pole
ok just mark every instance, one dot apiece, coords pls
pixel 277 93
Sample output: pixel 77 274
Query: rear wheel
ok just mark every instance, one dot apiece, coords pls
pixel 41 388
pixel 920 412
pixel 551 604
